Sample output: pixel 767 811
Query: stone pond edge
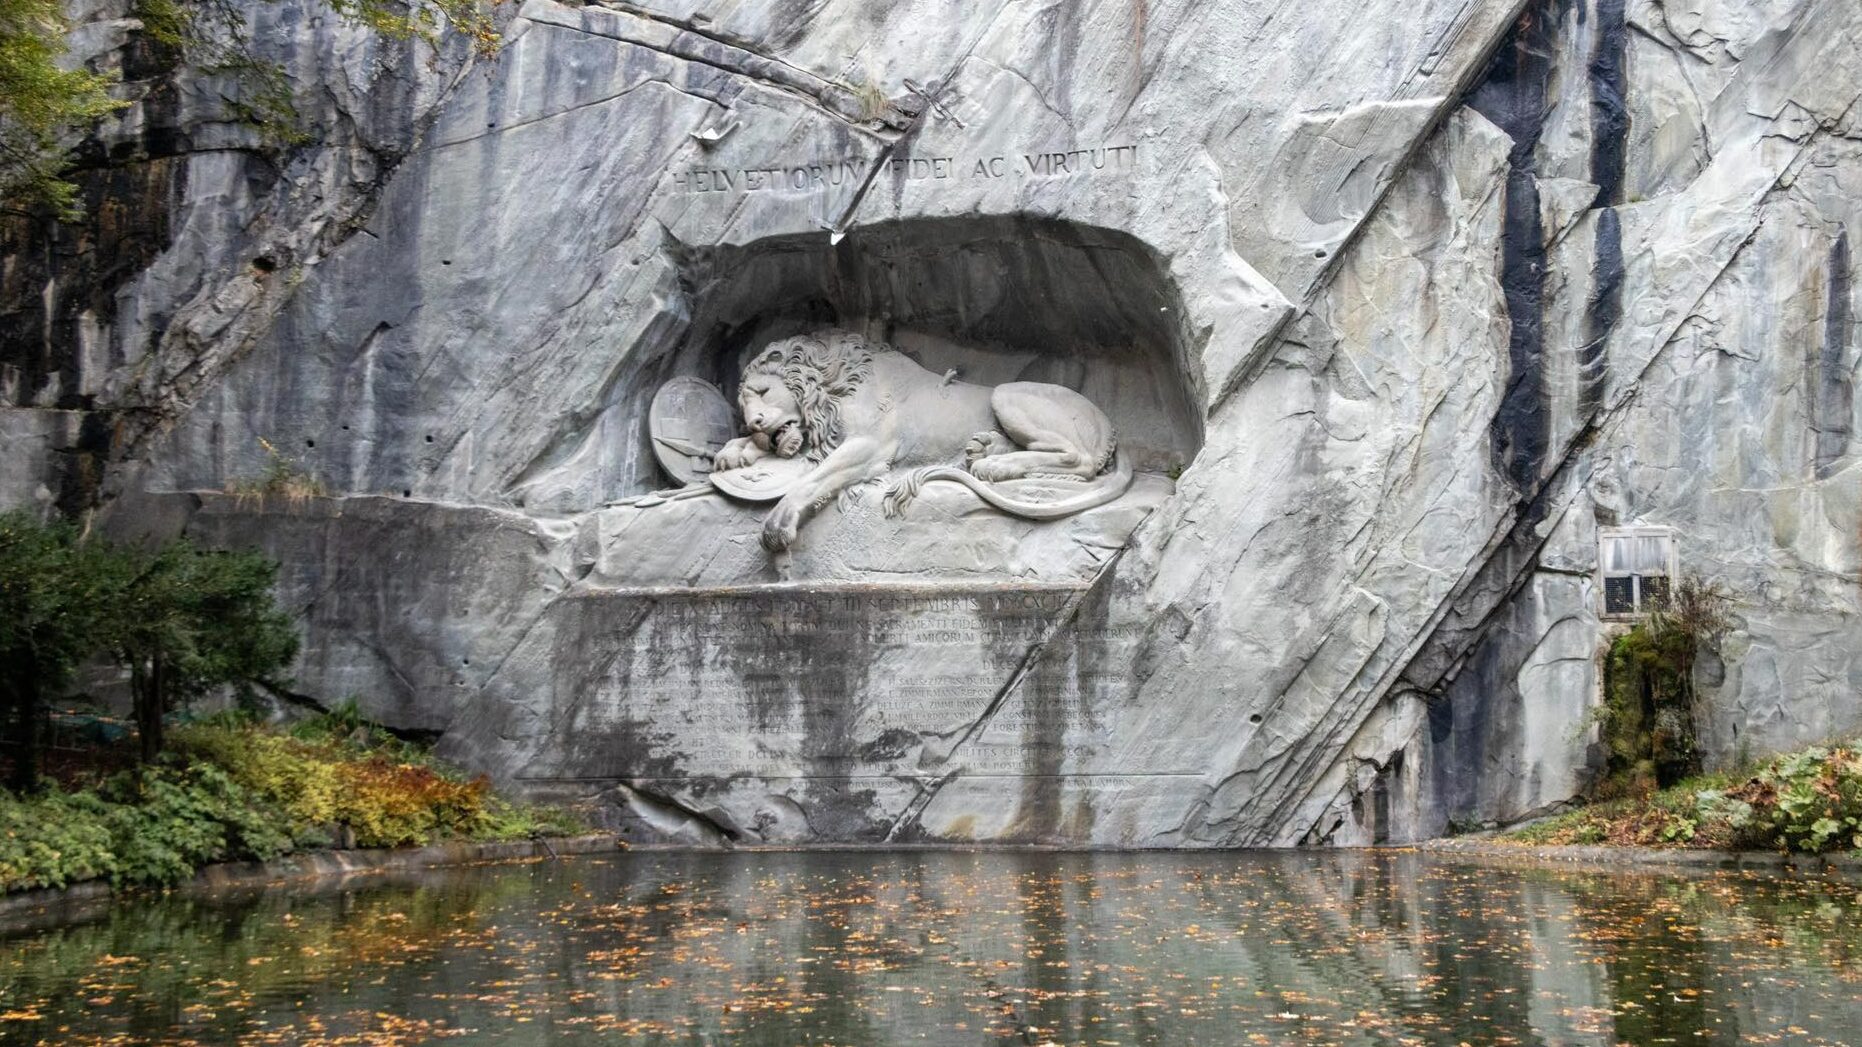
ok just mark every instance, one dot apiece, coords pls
pixel 1653 859
pixel 329 865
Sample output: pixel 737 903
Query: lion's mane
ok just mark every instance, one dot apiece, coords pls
pixel 820 371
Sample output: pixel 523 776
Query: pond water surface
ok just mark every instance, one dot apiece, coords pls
pixel 960 948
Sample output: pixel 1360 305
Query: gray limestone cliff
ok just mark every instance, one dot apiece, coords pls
pixel 1395 308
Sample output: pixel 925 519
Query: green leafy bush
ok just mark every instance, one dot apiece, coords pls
pixel 302 781
pixel 155 827
pixel 391 797
pixel 1647 714
pixel 231 791
pixel 170 821
pixel 54 840
pixel 1808 801
pixel 504 820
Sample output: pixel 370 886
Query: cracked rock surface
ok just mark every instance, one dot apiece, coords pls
pixel 1393 306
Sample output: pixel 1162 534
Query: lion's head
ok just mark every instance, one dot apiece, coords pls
pixel 792 391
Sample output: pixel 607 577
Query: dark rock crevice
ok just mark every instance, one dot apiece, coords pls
pixel 1609 114
pixel 1602 311
pixel 1516 96
pixel 1831 389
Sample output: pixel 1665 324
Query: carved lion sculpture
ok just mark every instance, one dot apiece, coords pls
pixel 858 411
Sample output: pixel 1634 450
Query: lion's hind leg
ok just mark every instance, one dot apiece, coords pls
pixel 1060 433
pixel 1021 464
pixel 987 443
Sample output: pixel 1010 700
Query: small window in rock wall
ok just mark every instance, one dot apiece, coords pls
pixel 1637 565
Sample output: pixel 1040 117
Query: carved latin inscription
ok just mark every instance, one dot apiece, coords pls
pixel 844 682
pixel 852 172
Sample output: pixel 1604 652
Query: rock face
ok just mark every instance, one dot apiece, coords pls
pixel 1392 306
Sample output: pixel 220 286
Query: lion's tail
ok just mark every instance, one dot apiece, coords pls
pixel 1098 491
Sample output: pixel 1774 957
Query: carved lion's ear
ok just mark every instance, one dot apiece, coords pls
pixel 771 357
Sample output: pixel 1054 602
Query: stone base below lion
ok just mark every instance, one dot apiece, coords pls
pixel 846 712
pixel 946 533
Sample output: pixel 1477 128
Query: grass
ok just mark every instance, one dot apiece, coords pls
pixel 1809 801
pixel 283 480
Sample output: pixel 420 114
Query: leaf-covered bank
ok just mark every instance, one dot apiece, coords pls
pixel 1808 802
pixel 231 791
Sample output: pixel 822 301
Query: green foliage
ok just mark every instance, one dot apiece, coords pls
pixel 43 106
pixel 1715 805
pixel 171 820
pixel 1808 801
pixel 55 589
pixel 325 784
pixel 40 103
pixel 211 35
pixel 193 620
pixel 504 820
pixel 234 791
pixel 181 619
pixel 56 593
pixel 156 827
pixel 424 20
pixel 383 792
pixel 54 840
pixel 1647 715
pixel 341 720
pixel 300 780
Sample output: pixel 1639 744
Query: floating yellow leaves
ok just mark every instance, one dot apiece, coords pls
pixel 866 949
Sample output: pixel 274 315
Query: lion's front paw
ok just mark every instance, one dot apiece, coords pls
pixel 735 455
pixel 781 526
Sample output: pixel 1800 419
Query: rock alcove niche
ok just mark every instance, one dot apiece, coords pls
pixel 973 299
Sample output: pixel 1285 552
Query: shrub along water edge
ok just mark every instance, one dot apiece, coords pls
pixel 231 790
pixel 1809 801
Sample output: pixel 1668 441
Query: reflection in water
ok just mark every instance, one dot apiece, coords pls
pixel 954 948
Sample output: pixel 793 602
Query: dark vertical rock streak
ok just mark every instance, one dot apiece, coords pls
pixel 1832 391
pixel 1516 95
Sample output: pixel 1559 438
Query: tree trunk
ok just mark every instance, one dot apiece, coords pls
pixel 147 683
pixel 26 705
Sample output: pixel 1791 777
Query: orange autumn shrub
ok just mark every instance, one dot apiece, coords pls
pixel 321 784
pixel 388 804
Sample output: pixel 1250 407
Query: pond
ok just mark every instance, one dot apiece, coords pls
pixel 960 948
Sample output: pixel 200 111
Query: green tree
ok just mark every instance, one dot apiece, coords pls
pixel 43 106
pixel 56 596
pixel 40 103
pixel 192 620
pixel 182 620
